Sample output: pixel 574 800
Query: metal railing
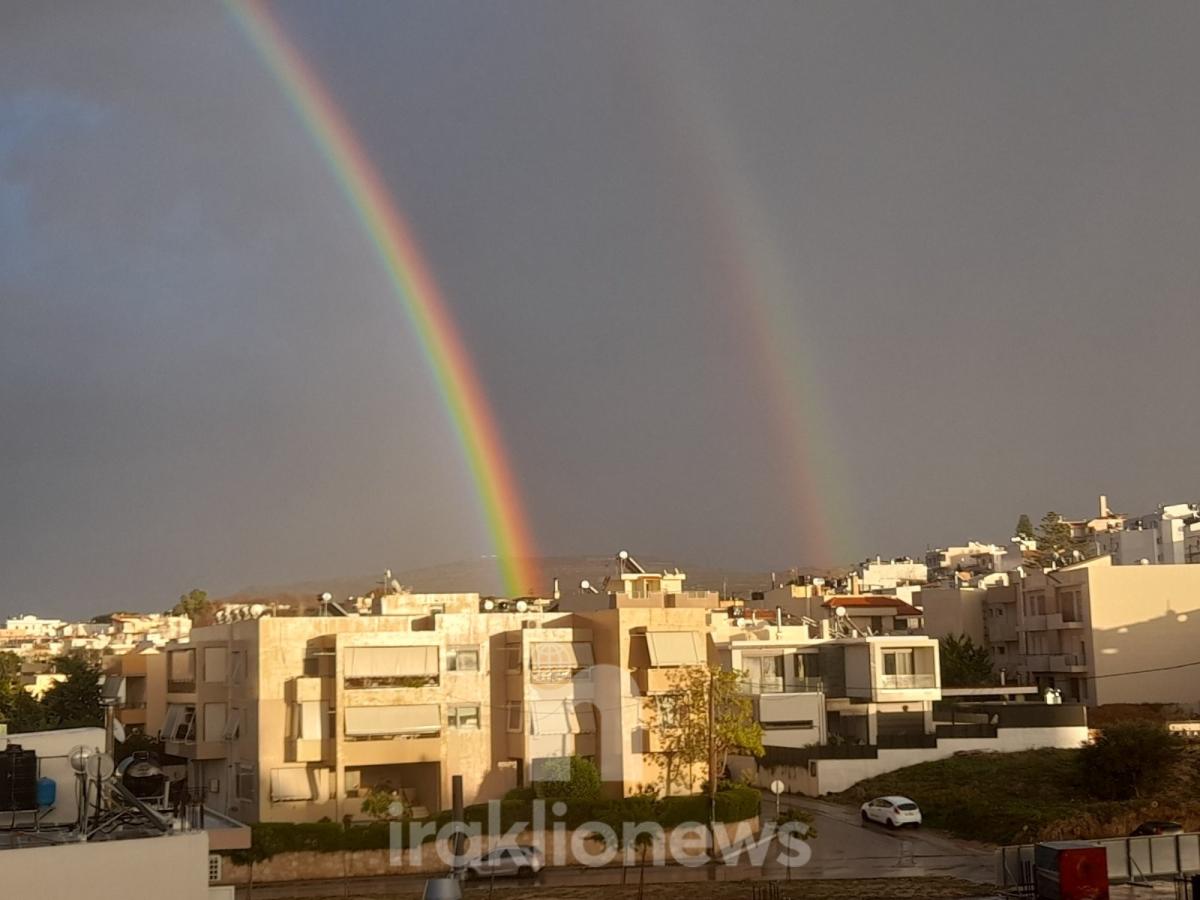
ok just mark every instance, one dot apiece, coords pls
pixel 781 686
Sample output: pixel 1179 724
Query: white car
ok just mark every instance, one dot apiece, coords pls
pixel 514 860
pixel 894 812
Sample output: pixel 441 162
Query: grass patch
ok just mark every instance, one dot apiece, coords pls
pixel 1035 795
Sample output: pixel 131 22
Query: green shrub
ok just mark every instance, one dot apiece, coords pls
pixel 1127 758
pixel 577 779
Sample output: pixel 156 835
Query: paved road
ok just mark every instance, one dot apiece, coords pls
pixel 845 848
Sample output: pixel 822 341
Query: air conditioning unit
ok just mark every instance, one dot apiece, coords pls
pixel 1070 870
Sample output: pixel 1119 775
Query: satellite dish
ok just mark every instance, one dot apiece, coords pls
pixel 522 606
pixel 100 766
pixel 257 610
pixel 489 605
pixel 740 621
pixel 840 612
pixel 326 597
pixel 585 585
pixel 623 554
pixel 79 756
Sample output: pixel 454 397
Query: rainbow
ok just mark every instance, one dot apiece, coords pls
pixel 753 277
pixel 415 287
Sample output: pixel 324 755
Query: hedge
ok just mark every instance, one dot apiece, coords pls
pixel 270 838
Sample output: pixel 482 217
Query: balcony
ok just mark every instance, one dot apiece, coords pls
pixel 1032 623
pixel 417 748
pixel 907 682
pixel 197 749
pixel 1067 662
pixel 781 686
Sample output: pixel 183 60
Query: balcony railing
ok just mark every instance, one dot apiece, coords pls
pixel 907 682
pixel 779 686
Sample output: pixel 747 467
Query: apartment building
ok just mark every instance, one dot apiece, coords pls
pixel 297 718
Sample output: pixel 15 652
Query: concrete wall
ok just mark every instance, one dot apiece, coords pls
pixel 174 866
pixel 953 611
pixel 836 775
pixel 52 748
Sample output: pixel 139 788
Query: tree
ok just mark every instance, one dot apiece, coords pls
pixel 1054 541
pixel 1024 528
pixel 74 703
pixel 18 710
pixel 194 604
pixel 964 663
pixel 385 803
pixel 1128 758
pixel 702 721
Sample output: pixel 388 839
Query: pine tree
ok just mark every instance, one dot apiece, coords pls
pixel 1024 527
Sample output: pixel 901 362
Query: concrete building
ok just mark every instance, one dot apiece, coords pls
pixel 1168 536
pixel 880 575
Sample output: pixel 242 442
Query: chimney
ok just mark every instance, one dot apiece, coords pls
pixel 854 583
pixel 557 593
pixel 1103 506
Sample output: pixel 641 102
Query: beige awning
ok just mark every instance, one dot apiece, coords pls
pixel 562 655
pixel 675 648
pixel 390 662
pixel 371 721
pixel 562 717
pixel 291 784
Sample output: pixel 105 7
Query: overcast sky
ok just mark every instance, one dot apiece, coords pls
pixel 939 262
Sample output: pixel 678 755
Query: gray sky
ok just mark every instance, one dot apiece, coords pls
pixel 937 260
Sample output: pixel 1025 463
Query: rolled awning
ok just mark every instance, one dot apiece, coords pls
pixel 675 648
pixel 374 721
pixel 390 662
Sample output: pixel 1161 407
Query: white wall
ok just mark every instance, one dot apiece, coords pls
pixel 52 748
pixel 174 866
pixel 836 775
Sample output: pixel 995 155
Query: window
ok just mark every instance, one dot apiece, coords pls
pixel 247 782
pixel 379 667
pixel 214 721
pixel 181 670
pixel 291 784
pixel 214 665
pixel 898 662
pixel 515 718
pixel 237 667
pixel 464 717
pixel 799 724
pixel 233 725
pixel 390 721
pixel 180 723
pixel 462 659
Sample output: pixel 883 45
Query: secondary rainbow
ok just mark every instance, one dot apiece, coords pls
pixel 414 286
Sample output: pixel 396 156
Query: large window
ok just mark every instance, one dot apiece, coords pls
pixel 181 670
pixel 291 784
pixel 386 667
pixel 214 665
pixel 214 721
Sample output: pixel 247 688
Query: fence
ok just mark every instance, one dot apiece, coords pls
pixel 967 730
pixel 1130 859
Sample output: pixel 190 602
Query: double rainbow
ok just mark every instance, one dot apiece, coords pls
pixel 414 286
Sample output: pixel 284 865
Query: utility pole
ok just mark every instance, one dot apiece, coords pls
pixel 712 764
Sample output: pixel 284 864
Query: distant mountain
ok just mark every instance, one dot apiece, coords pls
pixel 482 576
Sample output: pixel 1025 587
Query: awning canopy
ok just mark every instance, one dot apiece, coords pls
pixel 373 721
pixel 291 784
pixel 390 662
pixel 562 655
pixel 562 717
pixel 675 648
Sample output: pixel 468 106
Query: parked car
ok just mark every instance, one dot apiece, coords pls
pixel 1147 829
pixel 514 860
pixel 894 812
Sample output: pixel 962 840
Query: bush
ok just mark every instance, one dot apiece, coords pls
pixel 1129 757
pixel 578 779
